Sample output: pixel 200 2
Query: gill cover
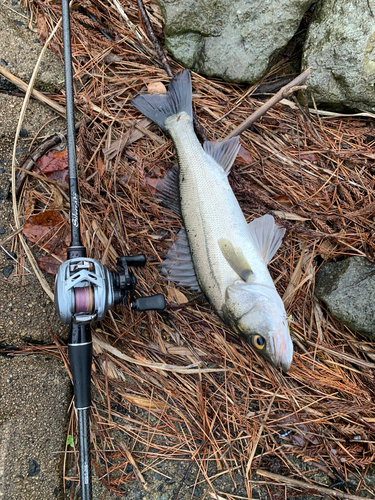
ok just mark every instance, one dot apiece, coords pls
pixel 256 312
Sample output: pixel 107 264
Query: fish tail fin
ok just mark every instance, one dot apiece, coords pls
pixel 159 107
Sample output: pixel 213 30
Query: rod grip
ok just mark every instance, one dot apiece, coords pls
pixel 80 357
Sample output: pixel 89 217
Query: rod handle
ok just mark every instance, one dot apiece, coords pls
pixel 80 357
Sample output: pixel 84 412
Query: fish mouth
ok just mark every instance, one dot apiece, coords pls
pixel 282 350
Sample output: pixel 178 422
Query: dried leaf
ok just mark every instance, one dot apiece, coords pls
pixel 49 264
pixel 101 166
pixel 60 176
pixel 29 205
pixel 142 402
pixel 58 202
pixel 49 230
pixel 54 165
pixel 152 184
pixel 174 295
pixel 244 155
pixel 311 157
pixel 156 88
pixel 288 215
pixel 283 200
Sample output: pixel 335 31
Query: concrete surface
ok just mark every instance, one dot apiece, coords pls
pixel 20 47
pixel 34 395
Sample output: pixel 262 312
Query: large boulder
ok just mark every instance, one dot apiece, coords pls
pixel 234 40
pixel 348 289
pixel 340 48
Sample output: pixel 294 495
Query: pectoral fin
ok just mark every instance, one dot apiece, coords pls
pixel 236 259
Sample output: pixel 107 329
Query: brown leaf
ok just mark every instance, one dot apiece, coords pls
pixel 245 157
pixel 156 88
pixel 308 157
pixel 283 200
pixel 42 28
pixel 174 295
pixel 49 230
pixel 152 184
pixel 60 176
pixel 49 264
pixel 51 162
pixel 101 166
pixel 29 205
pixel 57 198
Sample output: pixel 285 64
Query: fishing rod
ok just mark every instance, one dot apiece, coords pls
pixel 85 289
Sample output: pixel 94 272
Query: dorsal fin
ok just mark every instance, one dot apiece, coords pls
pixel 266 236
pixel 224 153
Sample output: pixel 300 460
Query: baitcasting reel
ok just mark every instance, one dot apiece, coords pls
pixel 85 289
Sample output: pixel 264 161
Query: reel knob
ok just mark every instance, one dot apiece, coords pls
pixel 152 303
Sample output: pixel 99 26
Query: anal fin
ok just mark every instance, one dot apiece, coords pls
pixel 168 190
pixel 178 265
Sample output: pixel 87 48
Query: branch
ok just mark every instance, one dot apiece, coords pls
pixel 308 486
pixel 152 37
pixel 284 92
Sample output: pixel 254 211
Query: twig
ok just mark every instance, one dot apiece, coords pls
pixel 44 178
pixel 10 236
pixel 282 94
pixel 301 484
pixel 136 470
pixel 256 442
pixel 152 37
pixel 35 93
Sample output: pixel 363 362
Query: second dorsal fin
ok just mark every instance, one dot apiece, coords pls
pixel 224 153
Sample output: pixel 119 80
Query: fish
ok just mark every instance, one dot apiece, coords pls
pixel 217 251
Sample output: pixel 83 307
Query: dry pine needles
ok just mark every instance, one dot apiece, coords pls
pixel 179 385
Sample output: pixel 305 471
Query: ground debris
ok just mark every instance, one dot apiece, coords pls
pixel 315 176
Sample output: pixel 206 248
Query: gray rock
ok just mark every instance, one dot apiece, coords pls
pixel 7 271
pixel 348 289
pixel 234 40
pixel 340 48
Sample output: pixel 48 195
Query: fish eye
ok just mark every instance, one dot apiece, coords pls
pixel 258 341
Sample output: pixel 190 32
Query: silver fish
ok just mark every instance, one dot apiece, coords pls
pixel 217 251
